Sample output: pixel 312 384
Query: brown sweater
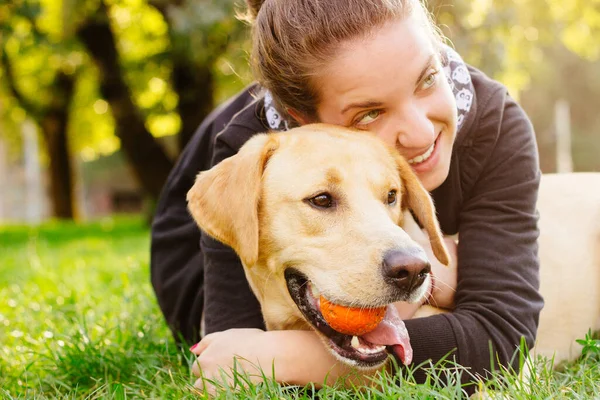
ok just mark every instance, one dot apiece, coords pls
pixel 488 198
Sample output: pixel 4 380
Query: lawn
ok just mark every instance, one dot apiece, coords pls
pixel 78 319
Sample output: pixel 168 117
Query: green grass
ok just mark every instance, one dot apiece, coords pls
pixel 78 319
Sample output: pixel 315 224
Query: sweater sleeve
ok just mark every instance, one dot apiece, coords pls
pixel 497 297
pixel 229 301
pixel 176 262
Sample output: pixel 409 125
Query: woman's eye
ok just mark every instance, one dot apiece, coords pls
pixel 391 197
pixel 323 200
pixel 430 80
pixel 368 117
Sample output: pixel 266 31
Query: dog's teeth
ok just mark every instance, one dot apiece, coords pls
pixel 365 349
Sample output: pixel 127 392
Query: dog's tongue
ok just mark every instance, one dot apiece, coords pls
pixel 392 332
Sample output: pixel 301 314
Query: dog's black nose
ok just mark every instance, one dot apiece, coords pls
pixel 407 269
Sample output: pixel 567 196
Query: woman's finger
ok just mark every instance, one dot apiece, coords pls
pixel 201 345
pixel 199 384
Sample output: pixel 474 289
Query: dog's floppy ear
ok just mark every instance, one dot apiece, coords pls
pixel 224 200
pixel 418 200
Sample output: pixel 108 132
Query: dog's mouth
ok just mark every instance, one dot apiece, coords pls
pixel 367 351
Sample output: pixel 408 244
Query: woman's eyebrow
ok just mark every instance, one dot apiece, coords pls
pixel 363 104
pixel 430 61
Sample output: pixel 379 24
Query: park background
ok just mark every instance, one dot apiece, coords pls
pixel 97 99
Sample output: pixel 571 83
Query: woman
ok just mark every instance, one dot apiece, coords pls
pixel 378 65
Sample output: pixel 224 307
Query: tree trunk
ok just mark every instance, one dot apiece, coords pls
pixel 193 82
pixel 32 173
pixel 53 121
pixel 194 86
pixel 54 124
pixel 147 158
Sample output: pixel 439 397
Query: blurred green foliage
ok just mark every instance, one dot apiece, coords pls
pixel 543 51
pixel 39 37
pixel 510 39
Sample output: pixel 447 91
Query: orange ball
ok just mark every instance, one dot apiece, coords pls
pixel 351 320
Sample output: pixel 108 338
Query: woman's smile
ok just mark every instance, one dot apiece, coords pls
pixel 428 160
pixel 423 157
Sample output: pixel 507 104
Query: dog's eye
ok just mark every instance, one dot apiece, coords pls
pixel 391 197
pixel 322 200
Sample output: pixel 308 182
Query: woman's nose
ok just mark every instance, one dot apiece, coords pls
pixel 411 130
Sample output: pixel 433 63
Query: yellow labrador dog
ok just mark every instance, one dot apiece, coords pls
pixel 569 207
pixel 308 219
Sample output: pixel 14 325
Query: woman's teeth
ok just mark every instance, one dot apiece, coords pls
pixel 422 157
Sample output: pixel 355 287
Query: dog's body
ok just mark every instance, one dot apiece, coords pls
pixel 308 219
pixel 569 207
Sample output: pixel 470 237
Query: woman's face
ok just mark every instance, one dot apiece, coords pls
pixel 392 83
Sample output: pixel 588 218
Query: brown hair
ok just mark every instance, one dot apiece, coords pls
pixel 294 39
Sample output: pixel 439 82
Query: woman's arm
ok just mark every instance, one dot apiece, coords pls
pixel 176 262
pixel 497 298
pixel 228 300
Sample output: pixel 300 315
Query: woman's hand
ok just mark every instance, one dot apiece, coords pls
pixel 216 353
pixel 297 357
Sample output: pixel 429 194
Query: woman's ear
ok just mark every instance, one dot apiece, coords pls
pixel 224 200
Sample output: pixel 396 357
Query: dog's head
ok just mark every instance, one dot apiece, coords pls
pixel 319 210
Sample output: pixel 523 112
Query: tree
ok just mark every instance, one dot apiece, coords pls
pixel 151 90
pixel 200 32
pixel 147 158
pixel 542 51
pixel 50 111
pixel 506 39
